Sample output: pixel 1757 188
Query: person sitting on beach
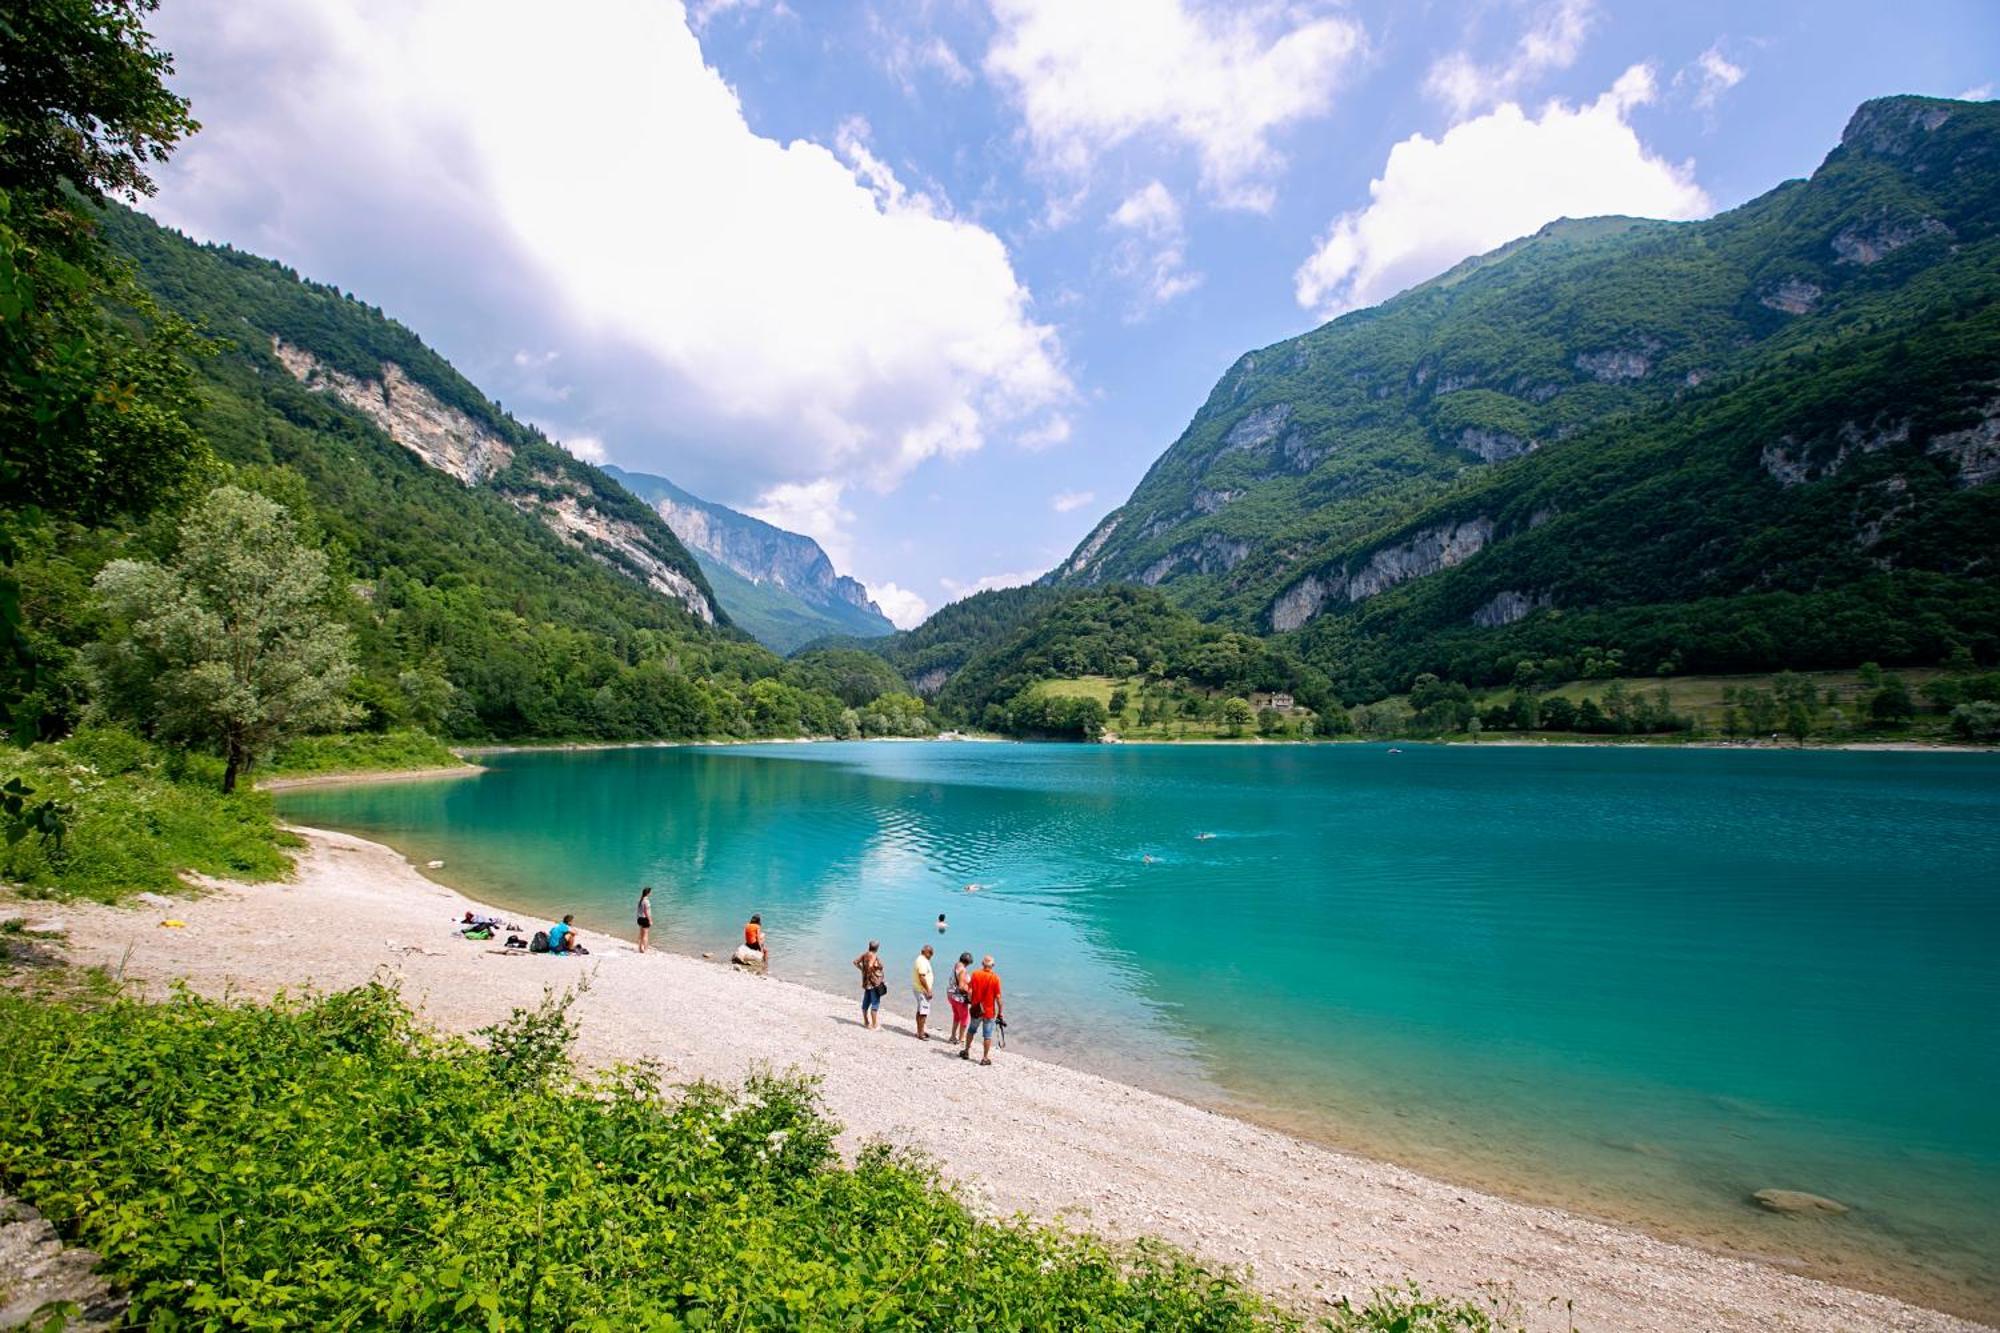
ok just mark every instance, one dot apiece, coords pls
pixel 563 937
pixel 961 1006
pixel 873 988
pixel 920 982
pixel 753 936
pixel 983 988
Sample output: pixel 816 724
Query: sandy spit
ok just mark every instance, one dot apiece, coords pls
pixel 372 775
pixel 1310 1222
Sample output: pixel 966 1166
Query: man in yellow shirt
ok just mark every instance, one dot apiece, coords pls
pixel 920 981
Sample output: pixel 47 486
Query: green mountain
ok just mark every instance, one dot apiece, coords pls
pixel 1762 440
pixel 777 585
pixel 497 587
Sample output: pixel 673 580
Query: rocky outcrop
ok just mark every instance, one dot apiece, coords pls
pixel 1975 450
pixel 1873 240
pixel 453 443
pixel 1507 606
pixel 1798 1203
pixel 1792 462
pixel 1213 554
pixel 1893 126
pixel 619 544
pixel 40 1275
pixel 1080 564
pixel 1258 427
pixel 1425 552
pixel 1790 296
pixel 1494 446
pixel 1298 603
pixel 1618 364
pixel 1212 502
pixel 930 682
pixel 408 413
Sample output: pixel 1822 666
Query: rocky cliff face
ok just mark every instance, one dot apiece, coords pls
pixel 796 582
pixel 452 442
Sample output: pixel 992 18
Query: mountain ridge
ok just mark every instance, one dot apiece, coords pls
pixel 794 593
pixel 1329 474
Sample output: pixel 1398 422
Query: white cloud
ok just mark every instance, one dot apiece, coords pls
pixel 741 313
pixel 1712 75
pixel 904 608
pixel 1220 79
pixel 1552 41
pixel 1490 180
pixel 1153 253
pixel 1050 432
pixel 904 54
pixel 1979 93
pixel 958 591
pixel 587 447
pixel 1064 501
pixel 813 508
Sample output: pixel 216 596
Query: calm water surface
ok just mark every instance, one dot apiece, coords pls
pixel 1639 983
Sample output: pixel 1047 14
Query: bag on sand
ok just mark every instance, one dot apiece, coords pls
pixel 539 944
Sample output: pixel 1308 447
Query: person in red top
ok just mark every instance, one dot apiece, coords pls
pixel 753 935
pixel 984 990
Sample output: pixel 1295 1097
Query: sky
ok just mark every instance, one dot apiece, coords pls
pixel 935 281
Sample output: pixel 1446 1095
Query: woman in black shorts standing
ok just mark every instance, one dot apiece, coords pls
pixel 645 916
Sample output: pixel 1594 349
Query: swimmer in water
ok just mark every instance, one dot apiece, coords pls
pixel 1149 858
pixel 941 925
pixel 1203 837
pixel 974 888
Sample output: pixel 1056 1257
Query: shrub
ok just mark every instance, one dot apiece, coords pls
pixel 136 817
pixel 362 752
pixel 326 1162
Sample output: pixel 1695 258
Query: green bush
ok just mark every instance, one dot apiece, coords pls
pixel 361 752
pixel 325 1162
pixel 135 817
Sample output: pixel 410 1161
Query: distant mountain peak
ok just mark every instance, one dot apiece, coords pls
pixel 802 591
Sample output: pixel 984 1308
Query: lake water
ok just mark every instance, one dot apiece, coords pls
pixel 1638 983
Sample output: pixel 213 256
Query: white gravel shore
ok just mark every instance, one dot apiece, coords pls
pixel 1023 1135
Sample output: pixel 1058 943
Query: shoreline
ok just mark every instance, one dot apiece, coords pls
pixel 357 776
pixel 1112 738
pixel 1314 1221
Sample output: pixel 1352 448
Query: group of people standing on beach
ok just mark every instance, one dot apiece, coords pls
pixel 974 995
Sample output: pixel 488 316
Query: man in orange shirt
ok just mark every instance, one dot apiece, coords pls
pixel 984 990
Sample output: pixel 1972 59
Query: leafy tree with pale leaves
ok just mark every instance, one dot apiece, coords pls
pixel 227 644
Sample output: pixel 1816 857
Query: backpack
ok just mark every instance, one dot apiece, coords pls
pixel 539 944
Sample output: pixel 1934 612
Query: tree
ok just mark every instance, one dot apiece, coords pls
pixel 1892 702
pixel 95 392
pixel 229 643
pixel 1118 701
pixel 1977 721
pixel 1269 722
pixel 1236 715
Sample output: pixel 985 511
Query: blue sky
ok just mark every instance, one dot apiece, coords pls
pixel 937 280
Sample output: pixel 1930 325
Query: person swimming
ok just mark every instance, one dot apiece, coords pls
pixel 974 888
pixel 941 925
pixel 1203 837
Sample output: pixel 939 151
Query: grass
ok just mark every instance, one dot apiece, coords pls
pixel 361 752
pixel 136 817
pixel 328 1163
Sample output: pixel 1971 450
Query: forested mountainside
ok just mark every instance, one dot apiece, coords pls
pixel 495 586
pixel 778 585
pixel 1763 440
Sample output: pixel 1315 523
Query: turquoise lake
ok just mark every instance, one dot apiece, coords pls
pixel 1638 983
